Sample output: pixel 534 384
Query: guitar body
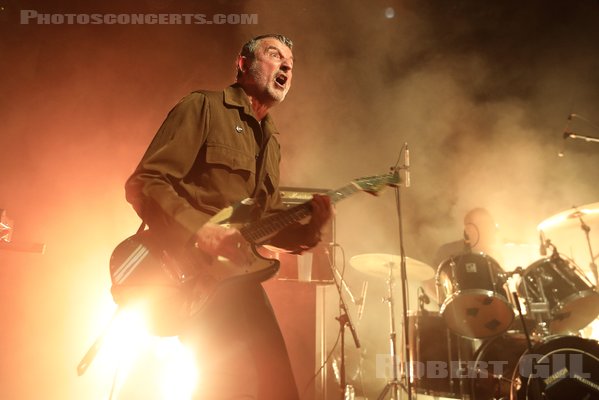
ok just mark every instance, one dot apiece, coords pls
pixel 173 284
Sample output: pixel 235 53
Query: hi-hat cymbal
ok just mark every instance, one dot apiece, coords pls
pixel 378 264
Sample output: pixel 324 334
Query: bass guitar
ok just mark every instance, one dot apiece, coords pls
pixel 174 284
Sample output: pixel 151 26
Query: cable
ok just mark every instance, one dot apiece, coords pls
pixel 311 381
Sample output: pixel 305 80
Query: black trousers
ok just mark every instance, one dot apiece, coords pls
pixel 239 348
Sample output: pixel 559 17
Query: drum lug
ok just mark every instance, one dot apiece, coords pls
pixel 517 384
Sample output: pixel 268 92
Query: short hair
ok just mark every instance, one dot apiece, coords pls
pixel 249 49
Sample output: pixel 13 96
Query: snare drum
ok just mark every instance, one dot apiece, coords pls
pixel 557 368
pixel 472 294
pixel 558 287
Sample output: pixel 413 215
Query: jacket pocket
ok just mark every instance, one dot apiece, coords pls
pixel 232 158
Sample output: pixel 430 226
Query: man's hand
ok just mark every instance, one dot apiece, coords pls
pixel 321 213
pixel 217 240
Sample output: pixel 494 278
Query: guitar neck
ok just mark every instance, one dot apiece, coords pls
pixel 265 228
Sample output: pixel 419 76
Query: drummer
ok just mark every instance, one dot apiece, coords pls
pixel 481 235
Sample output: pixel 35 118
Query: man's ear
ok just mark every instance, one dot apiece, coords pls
pixel 242 63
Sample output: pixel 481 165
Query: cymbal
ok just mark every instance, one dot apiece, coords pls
pixel 378 264
pixel 571 217
pixel 569 234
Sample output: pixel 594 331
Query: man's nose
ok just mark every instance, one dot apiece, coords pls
pixel 285 66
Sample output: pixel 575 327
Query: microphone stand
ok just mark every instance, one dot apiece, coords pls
pixel 344 321
pixel 394 384
pixel 582 137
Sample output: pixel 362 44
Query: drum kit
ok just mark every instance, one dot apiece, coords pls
pixel 497 334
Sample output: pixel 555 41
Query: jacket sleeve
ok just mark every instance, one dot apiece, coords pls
pixel 153 187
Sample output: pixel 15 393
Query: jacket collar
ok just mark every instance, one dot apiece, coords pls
pixel 235 96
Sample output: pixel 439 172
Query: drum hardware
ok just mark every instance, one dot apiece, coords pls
pixel 394 384
pixel 387 266
pixel 527 334
pixel 587 230
pixel 538 309
pixel 422 299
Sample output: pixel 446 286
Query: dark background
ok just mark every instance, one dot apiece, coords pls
pixel 481 91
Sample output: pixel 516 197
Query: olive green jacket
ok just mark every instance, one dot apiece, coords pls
pixel 203 159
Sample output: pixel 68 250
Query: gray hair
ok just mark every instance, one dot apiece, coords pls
pixel 248 50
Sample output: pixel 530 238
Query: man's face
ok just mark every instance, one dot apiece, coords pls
pixel 269 75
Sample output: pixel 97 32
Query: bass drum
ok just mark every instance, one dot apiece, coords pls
pixel 433 349
pixel 557 368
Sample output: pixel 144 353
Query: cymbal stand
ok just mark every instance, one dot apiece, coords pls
pixel 394 384
pixel 536 382
pixel 592 265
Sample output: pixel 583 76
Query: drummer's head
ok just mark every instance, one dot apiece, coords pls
pixel 479 227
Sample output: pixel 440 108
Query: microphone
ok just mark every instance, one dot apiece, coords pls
pixel 407 164
pixel 362 300
pixel 467 244
pixel 543 248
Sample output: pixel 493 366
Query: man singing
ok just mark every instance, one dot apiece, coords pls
pixel 213 150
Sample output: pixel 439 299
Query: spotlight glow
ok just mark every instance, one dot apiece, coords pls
pixel 157 368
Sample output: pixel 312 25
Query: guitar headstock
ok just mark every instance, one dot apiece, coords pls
pixel 375 184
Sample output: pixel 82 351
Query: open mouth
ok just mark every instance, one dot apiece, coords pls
pixel 281 80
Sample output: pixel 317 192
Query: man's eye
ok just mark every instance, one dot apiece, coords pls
pixel 275 54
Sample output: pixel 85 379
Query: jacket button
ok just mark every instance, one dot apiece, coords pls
pixel 239 129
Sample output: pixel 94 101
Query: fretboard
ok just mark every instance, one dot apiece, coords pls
pixel 265 228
